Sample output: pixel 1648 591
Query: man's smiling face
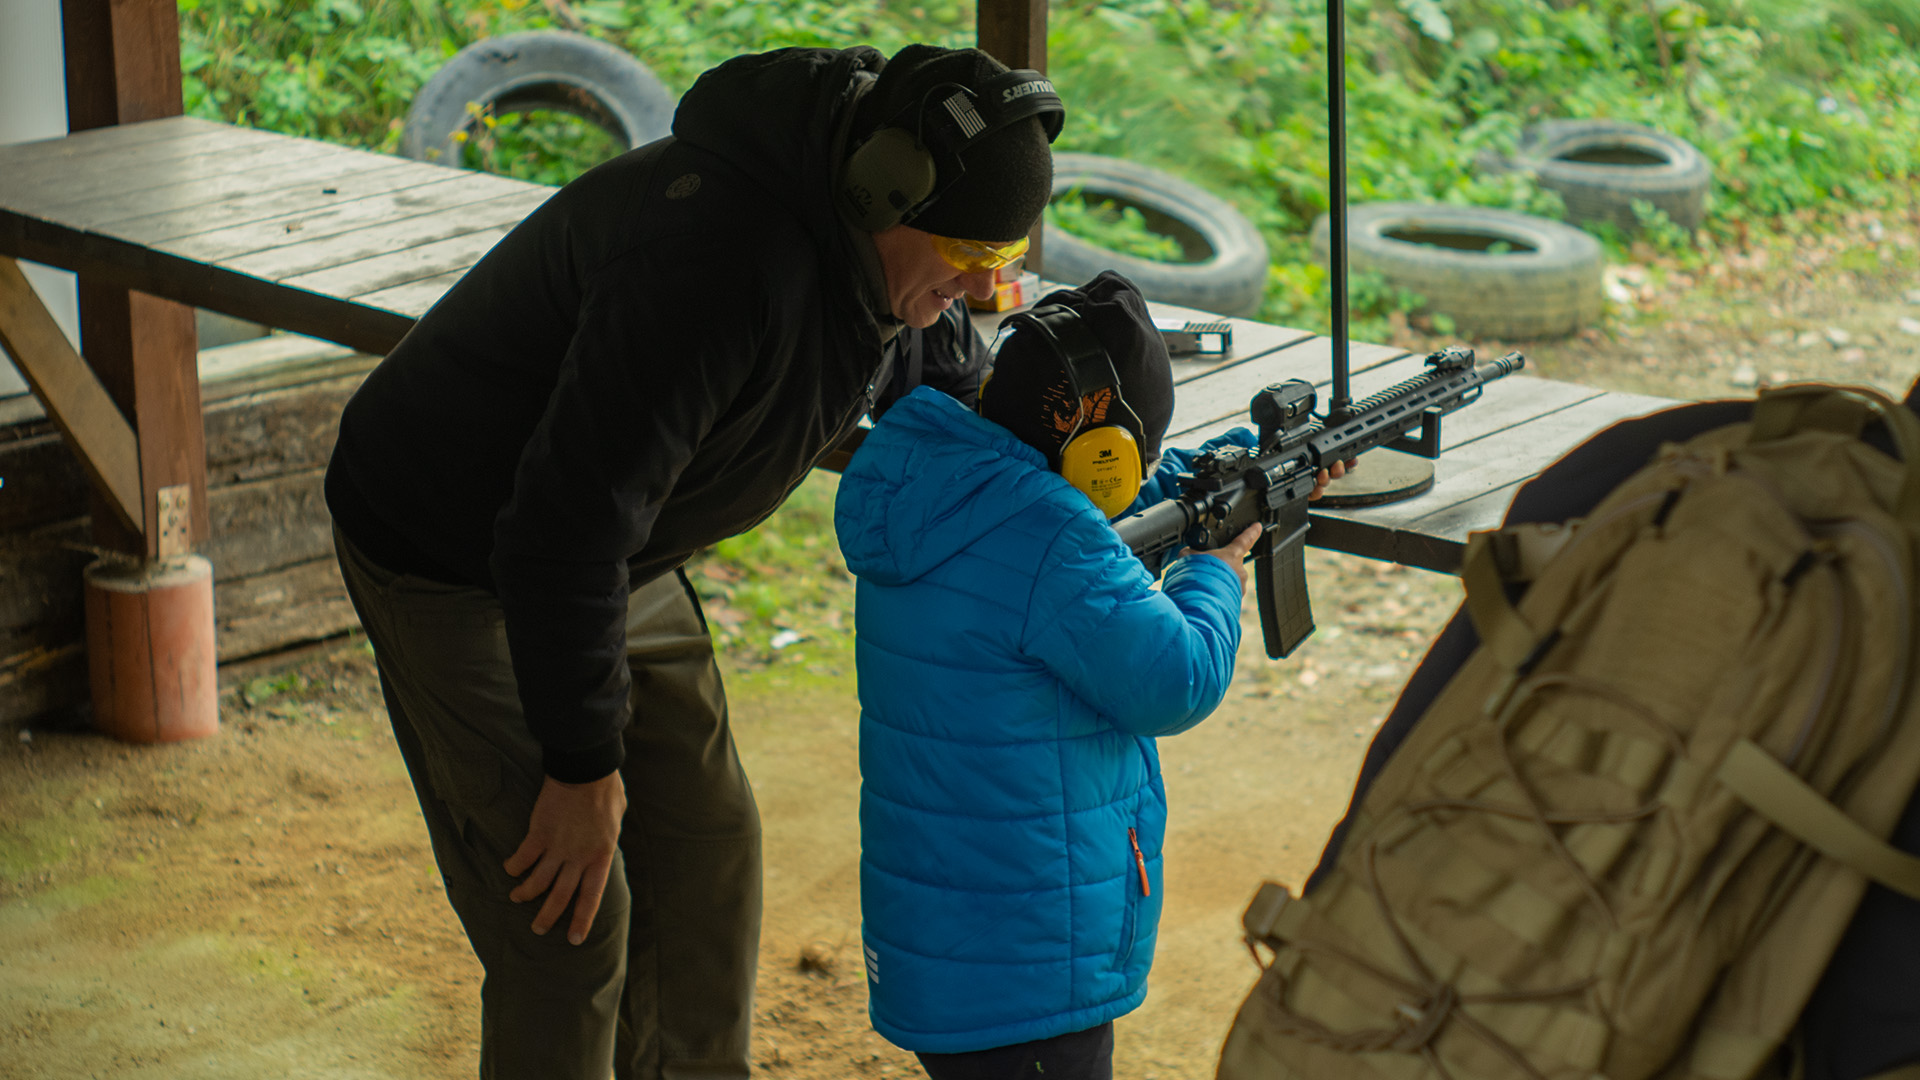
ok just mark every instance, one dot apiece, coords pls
pixel 920 282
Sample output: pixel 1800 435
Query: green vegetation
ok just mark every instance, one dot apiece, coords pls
pixel 1113 228
pixel 1800 104
pixel 778 596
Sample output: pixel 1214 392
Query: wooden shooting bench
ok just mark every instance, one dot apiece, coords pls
pixel 351 247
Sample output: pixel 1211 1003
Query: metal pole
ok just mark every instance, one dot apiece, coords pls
pixel 1341 399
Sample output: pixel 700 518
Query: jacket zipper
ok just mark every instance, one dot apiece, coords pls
pixel 1139 861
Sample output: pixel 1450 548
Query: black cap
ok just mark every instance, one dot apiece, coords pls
pixel 1029 394
pixel 1006 177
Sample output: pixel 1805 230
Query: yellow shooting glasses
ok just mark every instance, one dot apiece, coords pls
pixel 977 256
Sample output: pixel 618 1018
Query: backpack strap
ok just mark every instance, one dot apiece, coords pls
pixel 1783 798
pixel 1784 411
pixel 1504 632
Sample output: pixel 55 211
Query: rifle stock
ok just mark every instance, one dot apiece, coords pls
pixel 1232 488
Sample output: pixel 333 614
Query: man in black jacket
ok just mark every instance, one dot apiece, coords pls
pixel 646 365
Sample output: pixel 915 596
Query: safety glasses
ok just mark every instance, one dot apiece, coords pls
pixel 977 257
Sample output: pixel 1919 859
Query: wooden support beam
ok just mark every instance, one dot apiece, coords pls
pixel 73 397
pixel 145 352
pixel 1014 32
pixel 122 67
pixel 123 61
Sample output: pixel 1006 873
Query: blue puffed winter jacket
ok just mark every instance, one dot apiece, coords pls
pixel 1014 667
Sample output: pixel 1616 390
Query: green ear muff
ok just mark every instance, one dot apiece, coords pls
pixel 890 174
pixel 895 172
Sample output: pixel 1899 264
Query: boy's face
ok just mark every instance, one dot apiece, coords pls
pixel 920 282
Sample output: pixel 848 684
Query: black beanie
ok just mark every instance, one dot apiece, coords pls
pixel 1029 394
pixel 1008 175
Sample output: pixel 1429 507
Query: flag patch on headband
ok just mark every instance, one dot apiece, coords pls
pixel 960 107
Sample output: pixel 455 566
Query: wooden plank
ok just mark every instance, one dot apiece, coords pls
pixel 45 483
pixel 363 327
pixel 41 674
pixel 268 524
pixel 142 348
pixel 303 602
pixel 303 263
pixel 1512 400
pixel 414 298
pixel 42 586
pixel 78 201
pixel 1469 473
pixel 1251 340
pixel 127 146
pixel 81 147
pixel 356 207
pixel 78 403
pixel 1528 424
pixel 21 408
pixel 1013 32
pixel 419 263
pixel 202 206
pixel 272 432
pixel 1205 402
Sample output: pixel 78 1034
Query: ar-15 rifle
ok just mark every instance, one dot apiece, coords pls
pixel 1232 488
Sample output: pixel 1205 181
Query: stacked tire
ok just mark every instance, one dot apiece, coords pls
pixel 1495 273
pixel 1600 168
pixel 1226 271
pixel 546 70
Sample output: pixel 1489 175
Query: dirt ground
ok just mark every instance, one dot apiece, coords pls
pixel 263 903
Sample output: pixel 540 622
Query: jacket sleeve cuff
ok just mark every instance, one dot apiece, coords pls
pixel 585 765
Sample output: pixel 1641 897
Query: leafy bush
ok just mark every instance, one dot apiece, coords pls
pixel 1799 104
pixel 1113 228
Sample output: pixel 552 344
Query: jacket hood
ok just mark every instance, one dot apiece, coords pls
pixel 780 117
pixel 930 479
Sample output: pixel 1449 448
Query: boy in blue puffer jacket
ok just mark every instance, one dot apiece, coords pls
pixel 1015 666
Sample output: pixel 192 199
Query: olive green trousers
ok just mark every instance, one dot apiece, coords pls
pixel 662 987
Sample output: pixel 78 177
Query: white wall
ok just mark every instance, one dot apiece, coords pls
pixel 33 105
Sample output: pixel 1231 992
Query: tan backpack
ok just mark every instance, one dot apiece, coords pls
pixel 1624 839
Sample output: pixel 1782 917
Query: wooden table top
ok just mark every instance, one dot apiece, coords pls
pixel 341 244
pixel 353 246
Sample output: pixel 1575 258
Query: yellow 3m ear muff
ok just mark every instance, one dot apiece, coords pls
pixel 1100 458
pixel 1104 463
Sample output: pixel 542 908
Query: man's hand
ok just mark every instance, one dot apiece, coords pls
pixel 1327 476
pixel 571 838
pixel 1235 553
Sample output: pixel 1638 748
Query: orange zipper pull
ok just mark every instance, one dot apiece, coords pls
pixel 1139 862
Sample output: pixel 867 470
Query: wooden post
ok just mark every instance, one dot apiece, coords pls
pixel 122 67
pixel 1014 32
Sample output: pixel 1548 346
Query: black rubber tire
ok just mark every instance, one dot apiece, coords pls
pixel 1549 291
pixel 550 70
pixel 1664 170
pixel 1229 272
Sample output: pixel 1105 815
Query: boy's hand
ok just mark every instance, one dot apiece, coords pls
pixel 1329 475
pixel 1235 553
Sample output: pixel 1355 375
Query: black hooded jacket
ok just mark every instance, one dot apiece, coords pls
pixel 647 364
